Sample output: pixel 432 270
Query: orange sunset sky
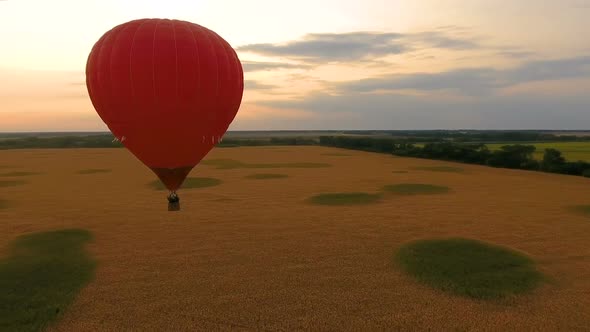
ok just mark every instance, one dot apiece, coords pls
pixel 326 64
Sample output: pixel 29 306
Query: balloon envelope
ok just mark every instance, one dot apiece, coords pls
pixel 167 89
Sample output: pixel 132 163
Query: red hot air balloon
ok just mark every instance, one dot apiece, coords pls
pixel 168 90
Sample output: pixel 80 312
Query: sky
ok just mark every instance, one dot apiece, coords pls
pixel 326 64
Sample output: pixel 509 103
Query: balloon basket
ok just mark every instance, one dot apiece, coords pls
pixel 173 202
pixel 174 206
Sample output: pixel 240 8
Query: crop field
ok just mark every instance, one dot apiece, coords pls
pixel 292 238
pixel 571 151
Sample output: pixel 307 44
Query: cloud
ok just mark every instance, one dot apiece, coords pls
pixel 398 111
pixel 252 66
pixel 353 46
pixel 581 4
pixel 514 53
pixel 332 47
pixel 469 81
pixel 474 81
pixel 382 103
pixel 442 40
pixel 255 85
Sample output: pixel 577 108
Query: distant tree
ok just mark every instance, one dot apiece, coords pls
pixel 553 161
pixel 514 156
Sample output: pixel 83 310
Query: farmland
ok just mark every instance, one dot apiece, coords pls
pixel 572 151
pixel 251 249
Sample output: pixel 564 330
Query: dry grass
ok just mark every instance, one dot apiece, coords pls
pixel 439 169
pixel 266 176
pixel 252 255
pixel 17 173
pixel 189 183
pixel 415 189
pixel 351 198
pixel 336 154
pixel 94 171
pixel 232 164
pixel 11 183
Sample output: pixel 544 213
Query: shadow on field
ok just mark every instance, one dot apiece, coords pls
pixel 42 276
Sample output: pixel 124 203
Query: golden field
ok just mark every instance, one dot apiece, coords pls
pixel 252 254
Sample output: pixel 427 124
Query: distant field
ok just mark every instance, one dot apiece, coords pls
pixel 256 255
pixel 572 151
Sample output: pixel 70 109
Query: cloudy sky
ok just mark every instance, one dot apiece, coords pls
pixel 327 64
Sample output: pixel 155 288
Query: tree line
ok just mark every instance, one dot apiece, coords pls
pixel 516 156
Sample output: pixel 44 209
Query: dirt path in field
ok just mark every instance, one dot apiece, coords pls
pixel 252 255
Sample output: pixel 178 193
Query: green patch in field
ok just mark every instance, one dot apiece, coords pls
pixel 41 277
pixel 233 164
pixel 399 172
pixel 469 268
pixel 264 176
pixel 94 171
pixel 352 198
pixel 11 183
pixel 439 169
pixel 18 173
pixel 415 189
pixel 189 183
pixel 582 209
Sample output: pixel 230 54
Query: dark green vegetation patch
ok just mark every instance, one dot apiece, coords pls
pixel 4 204
pixel 415 189
pixel 353 198
pixel 469 268
pixel 264 176
pixel 41 278
pixel 449 169
pixel 582 209
pixel 189 183
pixel 233 164
pixel 11 183
pixel 18 173
pixel 94 171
